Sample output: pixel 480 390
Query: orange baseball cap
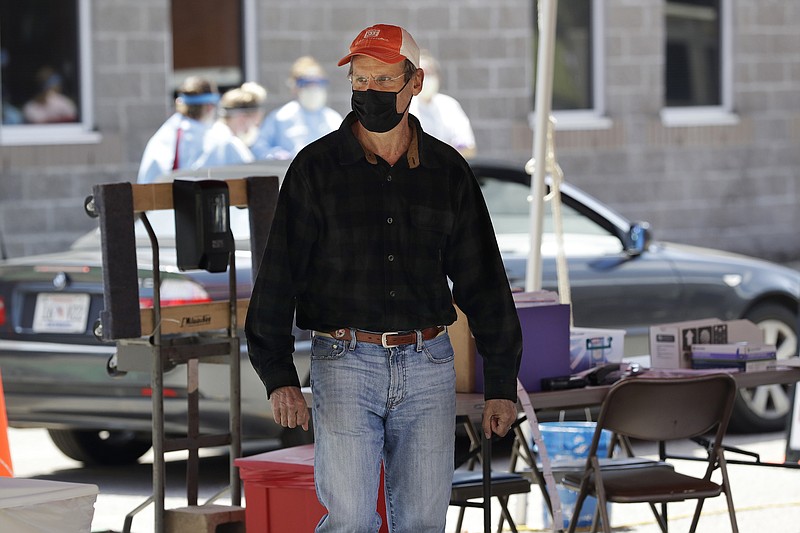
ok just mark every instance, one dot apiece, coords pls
pixel 386 43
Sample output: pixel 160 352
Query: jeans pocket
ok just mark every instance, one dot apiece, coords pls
pixel 326 348
pixel 439 350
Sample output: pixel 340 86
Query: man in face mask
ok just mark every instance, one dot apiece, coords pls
pixel 441 115
pixel 371 221
pixel 289 128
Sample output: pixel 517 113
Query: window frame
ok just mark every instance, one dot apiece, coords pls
pixel 722 114
pixel 76 133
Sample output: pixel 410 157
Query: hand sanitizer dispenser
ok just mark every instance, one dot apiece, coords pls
pixel 203 238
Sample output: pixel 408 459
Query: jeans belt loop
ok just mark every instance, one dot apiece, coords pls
pixel 353 340
pixel 419 340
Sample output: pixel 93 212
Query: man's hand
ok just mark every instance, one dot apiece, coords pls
pixel 289 407
pixel 498 415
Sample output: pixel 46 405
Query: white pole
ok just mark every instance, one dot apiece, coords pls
pixel 544 93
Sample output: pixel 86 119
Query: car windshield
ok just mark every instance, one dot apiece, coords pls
pixel 509 205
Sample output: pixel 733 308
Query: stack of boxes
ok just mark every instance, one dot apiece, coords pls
pixel 710 343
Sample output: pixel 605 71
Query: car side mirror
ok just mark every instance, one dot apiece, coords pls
pixel 639 237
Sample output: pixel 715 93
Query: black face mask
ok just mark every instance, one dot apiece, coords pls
pixel 377 110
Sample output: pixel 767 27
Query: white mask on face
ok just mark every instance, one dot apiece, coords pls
pixel 430 86
pixel 312 98
pixel 250 136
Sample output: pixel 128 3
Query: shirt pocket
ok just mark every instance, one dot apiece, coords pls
pixel 432 224
pixel 428 241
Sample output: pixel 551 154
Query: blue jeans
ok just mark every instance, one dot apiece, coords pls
pixel 395 405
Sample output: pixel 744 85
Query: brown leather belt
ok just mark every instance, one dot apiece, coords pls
pixel 388 339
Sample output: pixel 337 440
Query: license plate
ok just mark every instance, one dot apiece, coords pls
pixel 61 313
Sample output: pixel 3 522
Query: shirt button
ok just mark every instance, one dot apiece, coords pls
pixel 389 220
pixel 389 177
pixel 392 294
pixel 391 257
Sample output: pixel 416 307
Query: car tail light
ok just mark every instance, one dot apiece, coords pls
pixel 2 311
pixel 178 292
pixel 166 393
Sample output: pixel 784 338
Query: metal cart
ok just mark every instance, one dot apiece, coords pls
pixel 161 338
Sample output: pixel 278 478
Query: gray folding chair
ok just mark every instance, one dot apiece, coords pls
pixel 658 410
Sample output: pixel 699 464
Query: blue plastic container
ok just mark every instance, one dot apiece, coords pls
pixel 571 440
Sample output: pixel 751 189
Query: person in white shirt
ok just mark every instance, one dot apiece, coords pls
pixel 187 140
pixel 291 127
pixel 439 114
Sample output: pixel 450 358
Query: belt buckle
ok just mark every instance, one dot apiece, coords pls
pixel 383 338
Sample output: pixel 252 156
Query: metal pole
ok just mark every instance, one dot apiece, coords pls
pixel 486 460
pixel 235 387
pixel 544 92
pixel 157 384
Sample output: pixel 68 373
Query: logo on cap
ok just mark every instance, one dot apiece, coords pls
pixel 373 32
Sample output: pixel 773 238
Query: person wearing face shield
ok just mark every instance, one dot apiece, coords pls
pixel 441 115
pixel 371 222
pixel 187 139
pixel 241 110
pixel 306 118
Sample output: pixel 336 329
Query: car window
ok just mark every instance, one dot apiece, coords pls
pixel 509 207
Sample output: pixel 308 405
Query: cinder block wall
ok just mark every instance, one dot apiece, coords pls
pixel 735 187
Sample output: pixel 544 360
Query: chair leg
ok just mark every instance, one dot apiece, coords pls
pixel 460 519
pixel 573 521
pixel 504 512
pixel 596 519
pixel 662 520
pixel 726 485
pixel 502 520
pixel 603 512
pixel 696 517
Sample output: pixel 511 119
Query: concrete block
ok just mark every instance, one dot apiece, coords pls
pixel 205 519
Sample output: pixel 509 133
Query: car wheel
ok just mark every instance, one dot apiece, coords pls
pixel 765 409
pixel 100 447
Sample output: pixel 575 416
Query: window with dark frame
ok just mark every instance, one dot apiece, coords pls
pixel 39 51
pixel 693 48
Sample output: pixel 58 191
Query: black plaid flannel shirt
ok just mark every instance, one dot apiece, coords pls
pixel 358 243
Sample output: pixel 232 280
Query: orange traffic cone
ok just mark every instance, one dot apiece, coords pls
pixel 6 468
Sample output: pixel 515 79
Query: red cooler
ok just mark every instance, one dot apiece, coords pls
pixel 280 495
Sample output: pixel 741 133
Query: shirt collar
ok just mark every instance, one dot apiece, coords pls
pixel 352 150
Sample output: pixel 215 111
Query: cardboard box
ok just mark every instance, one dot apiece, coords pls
pixel 464 347
pixel 741 355
pixel 671 344
pixel 545 344
pixel 589 347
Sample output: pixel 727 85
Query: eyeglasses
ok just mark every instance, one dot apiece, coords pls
pixel 361 82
